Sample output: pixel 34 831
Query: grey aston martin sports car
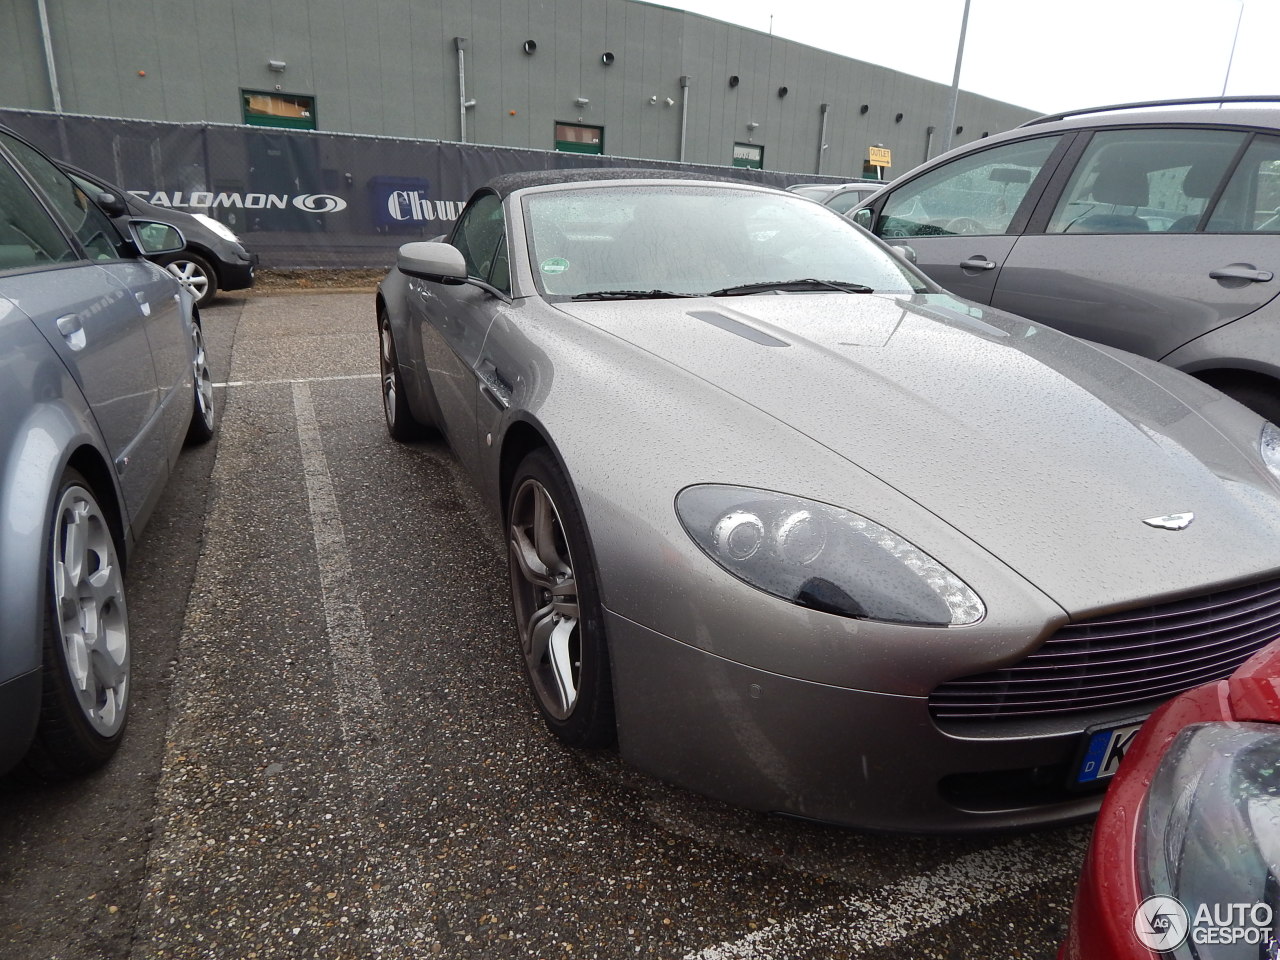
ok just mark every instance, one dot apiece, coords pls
pixel 807 533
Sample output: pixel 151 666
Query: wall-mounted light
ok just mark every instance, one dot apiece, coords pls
pixel 959 130
pixel 898 118
pixel 669 102
pixel 469 104
pixel 782 92
pixel 529 46
pixel 607 58
pixel 581 101
pixel 752 125
pixel 654 98
pixel 276 66
pixel 734 80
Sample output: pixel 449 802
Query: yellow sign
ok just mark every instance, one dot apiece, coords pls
pixel 879 156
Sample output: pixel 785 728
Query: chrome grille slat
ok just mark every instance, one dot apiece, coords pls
pixel 1135 657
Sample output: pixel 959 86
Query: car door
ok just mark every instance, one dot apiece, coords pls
pixel 89 318
pixel 1148 244
pixel 453 320
pixel 963 217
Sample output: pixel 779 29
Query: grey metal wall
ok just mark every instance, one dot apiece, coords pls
pixel 388 67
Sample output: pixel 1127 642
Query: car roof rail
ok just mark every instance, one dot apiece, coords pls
pixel 1184 102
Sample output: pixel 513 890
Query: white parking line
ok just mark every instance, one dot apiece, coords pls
pixel 899 910
pixel 276 383
pixel 359 695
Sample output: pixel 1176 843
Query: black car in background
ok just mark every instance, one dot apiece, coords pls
pixel 214 258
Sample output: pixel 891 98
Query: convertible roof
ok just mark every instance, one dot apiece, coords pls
pixel 508 183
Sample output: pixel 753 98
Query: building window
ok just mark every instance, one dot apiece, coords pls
pixel 749 155
pixel 578 138
pixel 293 110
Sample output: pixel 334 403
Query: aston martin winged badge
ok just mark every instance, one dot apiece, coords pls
pixel 1174 521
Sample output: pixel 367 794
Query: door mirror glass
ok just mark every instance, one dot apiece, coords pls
pixel 154 238
pixel 905 251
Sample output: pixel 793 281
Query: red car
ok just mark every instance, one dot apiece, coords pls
pixel 1185 859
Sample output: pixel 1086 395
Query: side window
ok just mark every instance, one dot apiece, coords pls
pixel 28 235
pixel 478 234
pixel 92 227
pixel 1251 202
pixel 1144 181
pixel 976 194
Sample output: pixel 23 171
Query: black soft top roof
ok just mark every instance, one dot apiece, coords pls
pixel 508 183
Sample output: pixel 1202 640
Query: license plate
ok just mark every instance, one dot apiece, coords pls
pixel 1104 748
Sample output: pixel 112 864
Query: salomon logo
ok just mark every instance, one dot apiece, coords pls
pixel 319 203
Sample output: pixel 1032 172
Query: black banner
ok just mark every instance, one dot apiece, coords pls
pixel 307 198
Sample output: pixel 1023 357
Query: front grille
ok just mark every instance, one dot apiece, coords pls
pixel 1136 657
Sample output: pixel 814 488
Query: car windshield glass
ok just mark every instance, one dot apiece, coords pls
pixel 696 239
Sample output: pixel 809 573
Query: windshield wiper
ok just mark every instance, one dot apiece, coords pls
pixel 807 283
pixel 630 295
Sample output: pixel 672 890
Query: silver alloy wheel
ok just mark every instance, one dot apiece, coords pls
pixel 204 379
pixel 192 276
pixel 388 359
pixel 89 607
pixel 545 597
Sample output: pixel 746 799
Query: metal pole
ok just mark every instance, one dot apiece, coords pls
pixel 1231 58
pixel 928 141
pixel 822 137
pixel 48 55
pixel 684 113
pixel 460 44
pixel 955 81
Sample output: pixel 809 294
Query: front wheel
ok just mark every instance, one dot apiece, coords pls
pixel 196 274
pixel 401 423
pixel 85 700
pixel 556 603
pixel 200 430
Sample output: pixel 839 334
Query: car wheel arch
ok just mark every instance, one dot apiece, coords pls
pixel 1253 388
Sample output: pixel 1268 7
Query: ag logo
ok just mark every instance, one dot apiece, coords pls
pixel 319 203
pixel 1161 923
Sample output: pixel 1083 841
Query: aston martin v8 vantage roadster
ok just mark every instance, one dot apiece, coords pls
pixel 803 531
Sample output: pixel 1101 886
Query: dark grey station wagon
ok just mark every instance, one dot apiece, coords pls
pixel 1150 227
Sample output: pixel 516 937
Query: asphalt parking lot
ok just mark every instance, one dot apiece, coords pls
pixel 333 754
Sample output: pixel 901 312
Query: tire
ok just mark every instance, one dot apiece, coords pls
pixel 86 658
pixel 556 603
pixel 200 430
pixel 196 274
pixel 401 423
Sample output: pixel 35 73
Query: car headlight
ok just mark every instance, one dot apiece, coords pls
pixel 819 556
pixel 1211 826
pixel 221 229
pixel 1269 447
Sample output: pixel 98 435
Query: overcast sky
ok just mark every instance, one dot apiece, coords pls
pixel 1048 55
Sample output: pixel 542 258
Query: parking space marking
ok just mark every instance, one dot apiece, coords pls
pixel 359 694
pixel 277 383
pixel 864 922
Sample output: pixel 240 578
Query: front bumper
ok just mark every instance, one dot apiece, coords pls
pixel 852 757
pixel 236 272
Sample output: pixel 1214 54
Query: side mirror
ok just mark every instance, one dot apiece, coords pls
pixel 862 217
pixel 112 205
pixel 432 261
pixel 154 238
pixel 905 251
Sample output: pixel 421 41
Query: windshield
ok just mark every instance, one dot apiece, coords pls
pixel 693 240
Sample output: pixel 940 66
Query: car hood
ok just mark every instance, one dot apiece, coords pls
pixel 1047 451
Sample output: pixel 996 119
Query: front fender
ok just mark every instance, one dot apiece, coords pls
pixel 45 421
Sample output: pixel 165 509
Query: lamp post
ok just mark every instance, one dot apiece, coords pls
pixel 955 81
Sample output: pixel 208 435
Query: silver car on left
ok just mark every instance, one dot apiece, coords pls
pixel 103 377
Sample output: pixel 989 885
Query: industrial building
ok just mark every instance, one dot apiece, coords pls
pixel 621 78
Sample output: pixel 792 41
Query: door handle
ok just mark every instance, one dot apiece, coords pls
pixel 493 386
pixel 72 330
pixel 977 263
pixel 1241 271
